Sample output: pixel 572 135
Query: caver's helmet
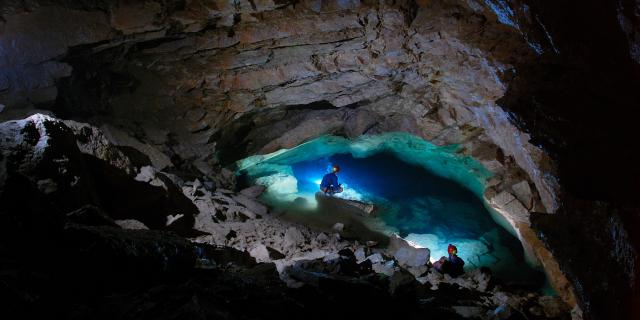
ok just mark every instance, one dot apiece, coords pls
pixel 452 249
pixel 336 168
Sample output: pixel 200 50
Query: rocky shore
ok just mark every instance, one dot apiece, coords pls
pixel 195 249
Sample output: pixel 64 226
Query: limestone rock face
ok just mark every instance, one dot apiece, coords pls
pixel 76 166
pixel 413 67
pixel 523 193
pixel 513 208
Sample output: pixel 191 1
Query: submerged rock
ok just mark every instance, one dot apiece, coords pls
pixel 367 209
pixel 333 203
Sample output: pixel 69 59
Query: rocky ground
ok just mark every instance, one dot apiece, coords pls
pixel 72 250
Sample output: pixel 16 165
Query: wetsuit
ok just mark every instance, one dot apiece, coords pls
pixel 330 183
pixel 454 266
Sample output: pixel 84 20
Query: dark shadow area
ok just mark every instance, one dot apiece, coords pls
pixel 581 105
pixel 125 198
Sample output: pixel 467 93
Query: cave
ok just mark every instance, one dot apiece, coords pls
pixel 425 194
pixel 162 159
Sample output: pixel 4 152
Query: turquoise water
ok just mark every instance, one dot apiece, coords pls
pixel 428 195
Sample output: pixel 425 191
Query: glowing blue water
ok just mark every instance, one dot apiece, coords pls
pixel 427 194
pixel 413 199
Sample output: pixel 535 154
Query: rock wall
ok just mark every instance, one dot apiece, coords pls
pixel 197 74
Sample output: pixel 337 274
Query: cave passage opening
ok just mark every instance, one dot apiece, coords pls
pixel 428 195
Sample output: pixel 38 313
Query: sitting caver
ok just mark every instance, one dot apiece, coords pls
pixel 329 184
pixel 453 266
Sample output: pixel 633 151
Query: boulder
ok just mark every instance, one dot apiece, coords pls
pixel 387 268
pixel 131 224
pixel 517 211
pixel 493 165
pixel 45 150
pixel 148 174
pixel 292 238
pixel 275 254
pixel 375 258
pixel 251 204
pixel 523 192
pixel 76 166
pixel 92 141
pixel 260 253
pixel 502 199
pixel 360 254
pixel 400 281
pixel 226 178
pixel 172 219
pixel 322 237
pixel 418 271
pixel 343 205
pixel 511 206
pixel 412 257
pixel 279 183
pixel 406 254
pixel 253 191
pixel 367 209
pixel 239 213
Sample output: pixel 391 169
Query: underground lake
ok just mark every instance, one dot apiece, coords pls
pixel 430 196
